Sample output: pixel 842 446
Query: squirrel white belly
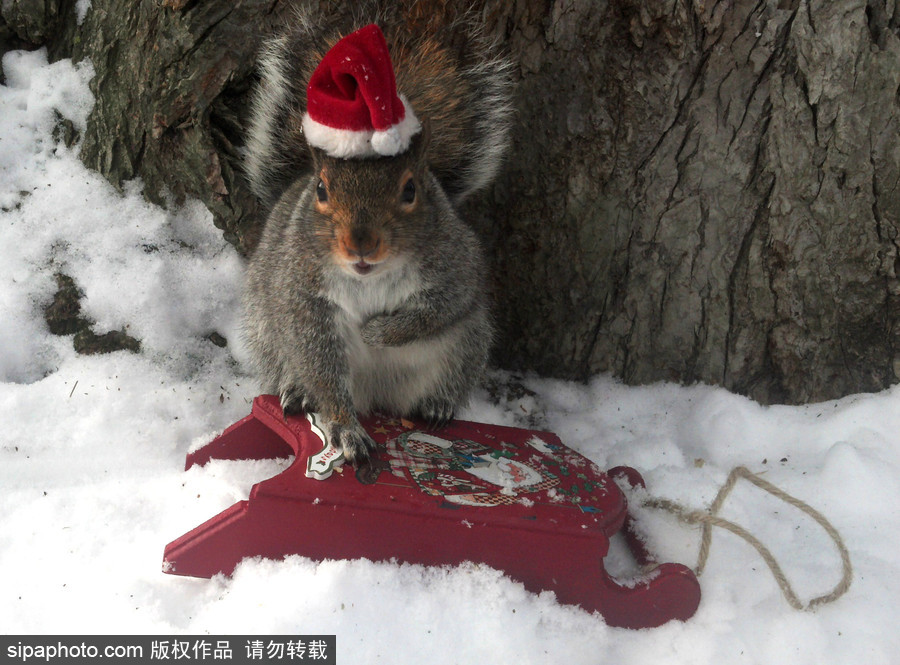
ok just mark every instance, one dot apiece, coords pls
pixel 367 291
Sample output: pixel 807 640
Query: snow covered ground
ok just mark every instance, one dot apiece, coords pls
pixel 92 448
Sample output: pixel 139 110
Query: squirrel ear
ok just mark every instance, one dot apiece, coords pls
pixel 316 157
pixel 418 146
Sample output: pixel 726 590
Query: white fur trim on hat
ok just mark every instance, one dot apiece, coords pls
pixel 348 143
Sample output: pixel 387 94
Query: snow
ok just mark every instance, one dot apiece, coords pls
pixel 92 485
pixel 81 10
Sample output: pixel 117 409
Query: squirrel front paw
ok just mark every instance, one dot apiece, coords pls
pixel 394 329
pixel 357 446
pixel 376 331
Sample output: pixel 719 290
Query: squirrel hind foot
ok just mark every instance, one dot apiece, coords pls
pixel 295 400
pixel 437 413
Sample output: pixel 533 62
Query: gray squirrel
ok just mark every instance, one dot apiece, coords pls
pixel 366 290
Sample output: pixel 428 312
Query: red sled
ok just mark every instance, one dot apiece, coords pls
pixel 517 500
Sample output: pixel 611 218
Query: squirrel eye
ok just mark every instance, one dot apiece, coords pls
pixel 321 192
pixel 409 192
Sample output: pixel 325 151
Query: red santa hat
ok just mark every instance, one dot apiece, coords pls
pixel 353 108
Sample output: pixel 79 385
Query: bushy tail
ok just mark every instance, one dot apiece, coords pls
pixel 455 79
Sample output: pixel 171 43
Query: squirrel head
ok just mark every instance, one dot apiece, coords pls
pixel 370 211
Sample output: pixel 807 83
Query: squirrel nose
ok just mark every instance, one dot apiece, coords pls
pixel 368 248
pixel 362 243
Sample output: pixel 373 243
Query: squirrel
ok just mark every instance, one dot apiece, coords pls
pixel 367 290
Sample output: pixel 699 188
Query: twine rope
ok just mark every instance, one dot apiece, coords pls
pixel 709 518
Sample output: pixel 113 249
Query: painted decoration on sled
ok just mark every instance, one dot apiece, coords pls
pixel 492 472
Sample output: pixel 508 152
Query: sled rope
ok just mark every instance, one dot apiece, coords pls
pixel 709 518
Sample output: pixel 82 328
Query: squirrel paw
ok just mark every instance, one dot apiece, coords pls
pixel 295 400
pixel 436 412
pixel 377 331
pixel 357 446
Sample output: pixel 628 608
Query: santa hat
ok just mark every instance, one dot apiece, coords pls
pixel 352 105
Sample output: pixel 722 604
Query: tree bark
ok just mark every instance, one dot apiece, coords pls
pixel 704 192
pixel 697 191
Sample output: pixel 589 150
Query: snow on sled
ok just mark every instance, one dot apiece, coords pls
pixel 517 500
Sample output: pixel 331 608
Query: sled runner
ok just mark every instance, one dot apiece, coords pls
pixel 517 500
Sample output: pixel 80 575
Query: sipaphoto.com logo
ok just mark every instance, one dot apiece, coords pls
pixel 144 649
pixel 68 652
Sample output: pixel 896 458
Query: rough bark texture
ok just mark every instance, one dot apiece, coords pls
pixel 698 191
pixel 705 192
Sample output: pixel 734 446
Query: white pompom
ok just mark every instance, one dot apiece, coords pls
pixel 389 142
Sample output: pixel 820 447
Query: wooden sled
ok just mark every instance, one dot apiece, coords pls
pixel 514 499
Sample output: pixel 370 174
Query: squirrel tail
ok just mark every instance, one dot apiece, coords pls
pixel 463 93
pixel 456 79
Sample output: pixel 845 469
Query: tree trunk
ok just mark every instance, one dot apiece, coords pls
pixel 705 192
pixel 697 191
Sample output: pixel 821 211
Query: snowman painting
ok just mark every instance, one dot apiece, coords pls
pixel 465 472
